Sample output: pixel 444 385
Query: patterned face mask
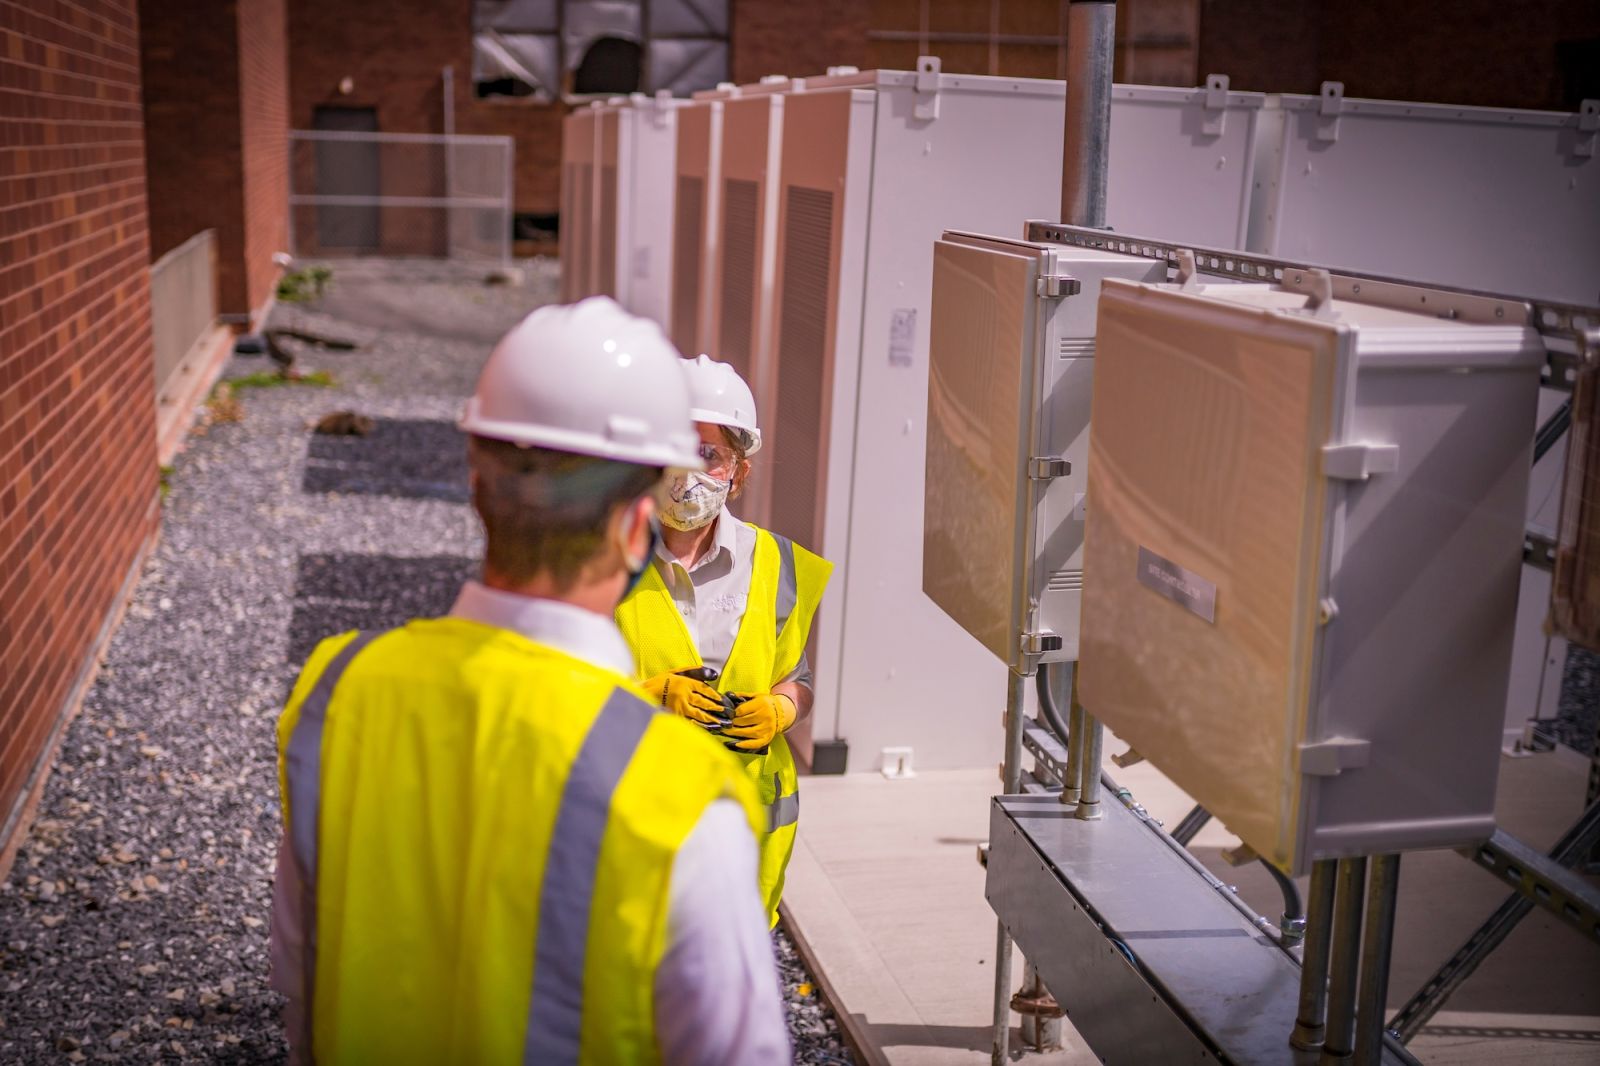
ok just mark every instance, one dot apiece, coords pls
pixel 694 499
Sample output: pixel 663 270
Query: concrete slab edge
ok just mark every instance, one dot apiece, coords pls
pixel 855 1035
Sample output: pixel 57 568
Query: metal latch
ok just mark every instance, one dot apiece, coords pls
pixel 1588 129
pixel 1328 758
pixel 1041 642
pixel 1329 110
pixel 1056 286
pixel 926 106
pixel 1215 110
pixel 1045 467
pixel 1357 462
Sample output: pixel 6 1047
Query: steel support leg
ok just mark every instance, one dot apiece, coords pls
pixel 1311 1020
pixel 1339 1038
pixel 1077 736
pixel 1377 945
pixel 1089 773
pixel 1011 775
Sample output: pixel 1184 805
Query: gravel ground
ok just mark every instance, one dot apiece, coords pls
pixel 133 926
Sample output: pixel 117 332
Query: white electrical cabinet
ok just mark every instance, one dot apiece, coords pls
pixel 1496 200
pixel 646 207
pixel 1010 369
pixel 1302 552
pixel 874 167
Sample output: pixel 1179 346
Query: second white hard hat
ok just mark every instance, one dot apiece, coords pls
pixel 718 395
pixel 587 378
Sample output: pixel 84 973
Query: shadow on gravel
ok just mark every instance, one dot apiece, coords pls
pixel 416 458
pixel 338 592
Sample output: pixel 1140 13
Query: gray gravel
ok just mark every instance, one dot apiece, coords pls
pixel 133 926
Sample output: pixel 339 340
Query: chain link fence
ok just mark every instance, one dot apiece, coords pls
pixel 357 193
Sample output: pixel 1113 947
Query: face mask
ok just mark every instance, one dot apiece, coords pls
pixel 636 573
pixel 694 499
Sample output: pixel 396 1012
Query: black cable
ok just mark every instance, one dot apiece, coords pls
pixel 1047 705
pixel 1292 907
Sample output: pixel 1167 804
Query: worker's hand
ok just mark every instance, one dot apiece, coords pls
pixel 688 697
pixel 758 720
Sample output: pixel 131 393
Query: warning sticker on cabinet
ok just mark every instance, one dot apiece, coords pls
pixel 902 335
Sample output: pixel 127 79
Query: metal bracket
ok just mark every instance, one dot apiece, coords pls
pixel 1329 110
pixel 1318 287
pixel 1331 757
pixel 1215 112
pixel 926 107
pixel 1041 642
pixel 1240 855
pixel 1539 550
pixel 1357 462
pixel 1588 129
pixel 1546 882
pixel 1127 758
pixel 1560 370
pixel 1046 467
pixel 1057 286
pixel 1188 272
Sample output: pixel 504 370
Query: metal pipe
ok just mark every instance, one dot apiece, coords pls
pixel 1011 772
pixel 1077 736
pixel 1089 772
pixel 1339 1038
pixel 1377 944
pixel 1292 926
pixel 1001 1045
pixel 1091 35
pixel 1311 1020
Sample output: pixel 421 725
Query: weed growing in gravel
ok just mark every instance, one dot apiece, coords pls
pixel 307 284
pixel 164 479
pixel 271 379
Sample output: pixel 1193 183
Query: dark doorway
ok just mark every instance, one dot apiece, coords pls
pixel 347 168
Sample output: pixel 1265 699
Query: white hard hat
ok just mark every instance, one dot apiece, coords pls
pixel 718 395
pixel 587 378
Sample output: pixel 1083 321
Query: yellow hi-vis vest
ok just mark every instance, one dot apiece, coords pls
pixel 786 585
pixel 485 828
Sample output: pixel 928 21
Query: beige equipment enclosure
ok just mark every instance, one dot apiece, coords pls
pixel 1303 544
pixel 578 151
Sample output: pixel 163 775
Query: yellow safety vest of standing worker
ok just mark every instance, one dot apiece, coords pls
pixel 786 586
pixel 485 847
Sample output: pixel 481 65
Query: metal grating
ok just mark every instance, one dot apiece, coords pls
pixel 608 231
pixel 802 358
pixel 737 312
pixel 422 459
pixel 336 593
pixel 688 232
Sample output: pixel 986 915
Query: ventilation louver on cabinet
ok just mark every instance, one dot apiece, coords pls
pixel 688 231
pixel 739 204
pixel 608 231
pixel 802 356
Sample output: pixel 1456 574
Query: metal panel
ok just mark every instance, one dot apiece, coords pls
pixel 740 221
pixel 687 239
pixel 1174 148
pixel 645 239
pixel 1490 199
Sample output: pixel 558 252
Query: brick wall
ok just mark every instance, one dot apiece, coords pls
pixel 77 404
pixel 215 93
pixel 800 38
pixel 1484 53
pixel 263 35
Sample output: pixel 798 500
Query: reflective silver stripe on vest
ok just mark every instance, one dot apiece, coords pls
pixel 303 768
pixel 788 586
pixel 555 1005
pixel 785 810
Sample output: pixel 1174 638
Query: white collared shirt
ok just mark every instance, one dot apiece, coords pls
pixel 712 594
pixel 717 993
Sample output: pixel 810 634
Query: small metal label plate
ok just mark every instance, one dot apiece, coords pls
pixel 1183 587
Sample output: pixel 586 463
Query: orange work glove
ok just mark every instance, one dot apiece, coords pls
pixel 688 697
pixel 758 720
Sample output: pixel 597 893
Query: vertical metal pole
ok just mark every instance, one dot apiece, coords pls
pixel 1089 773
pixel 452 213
pixel 1311 1020
pixel 1077 736
pixel 1011 782
pixel 1377 944
pixel 1339 1042
pixel 1091 35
